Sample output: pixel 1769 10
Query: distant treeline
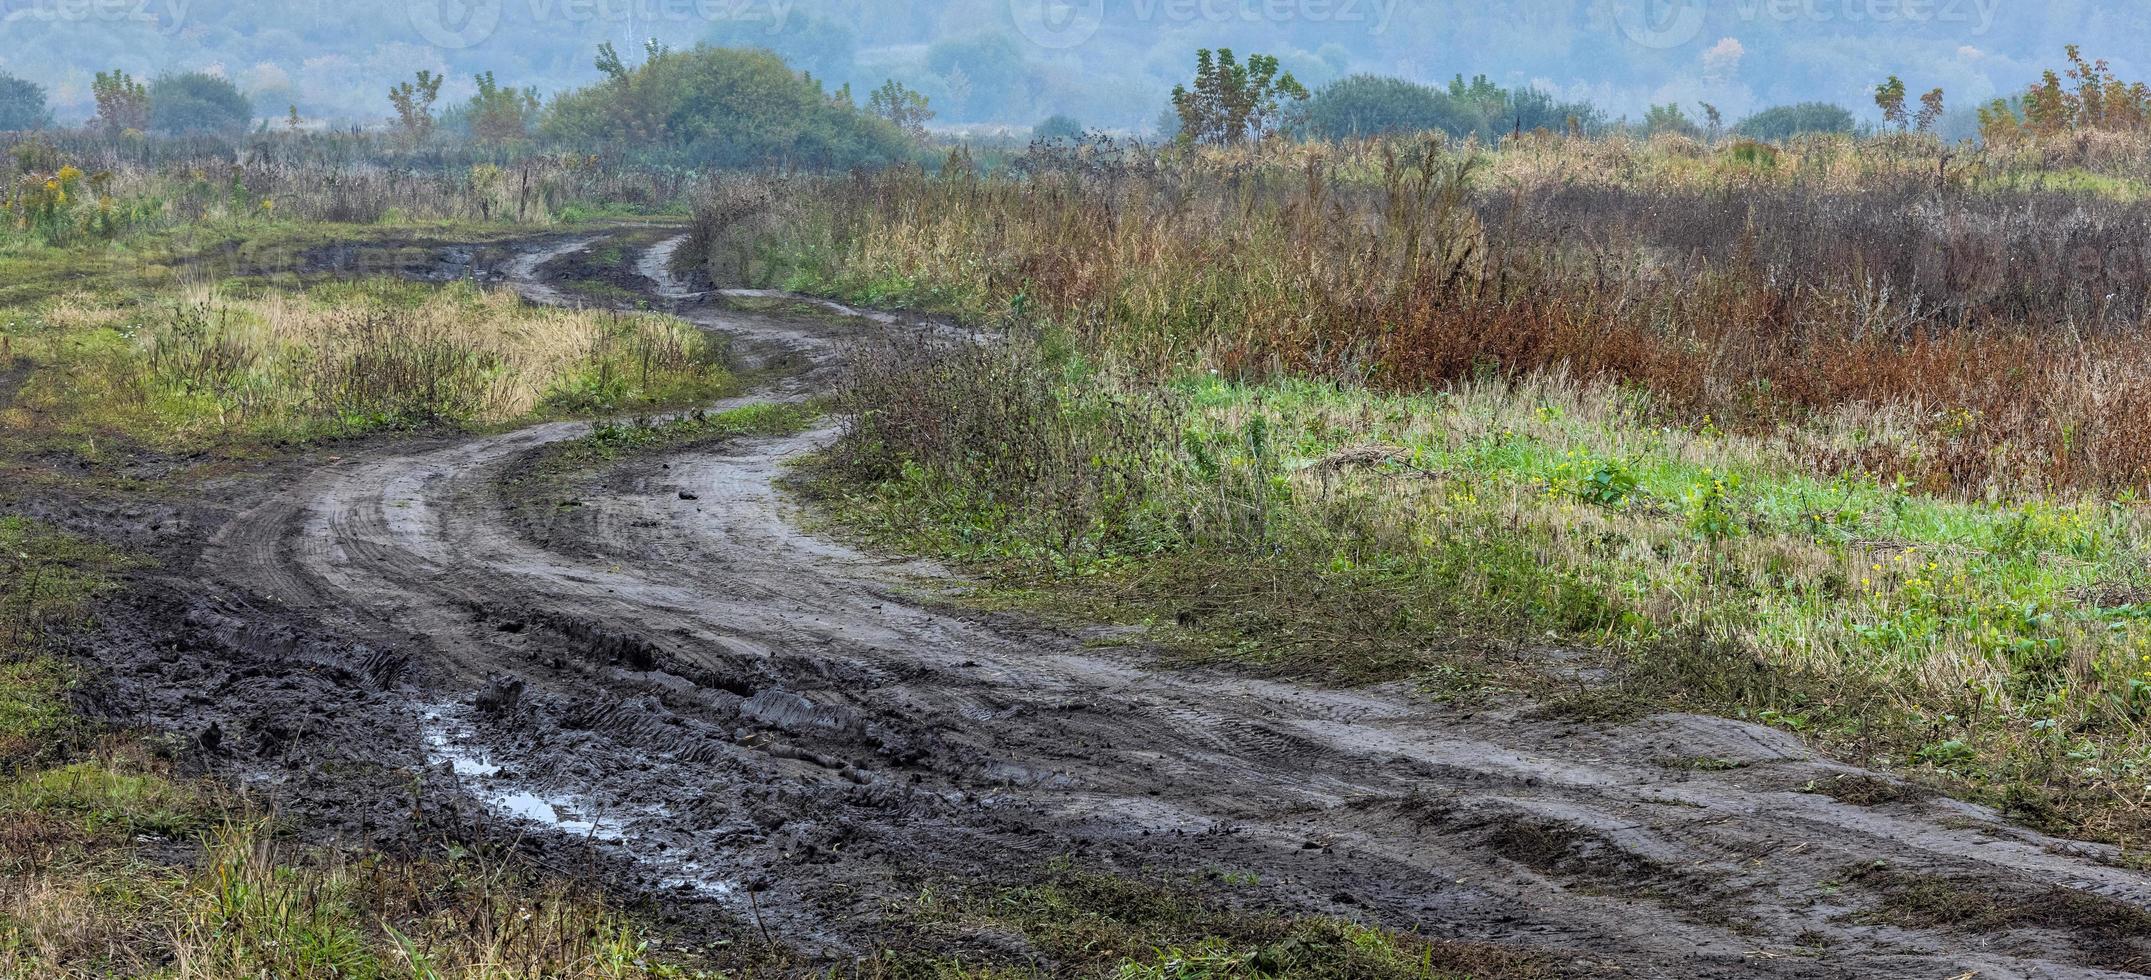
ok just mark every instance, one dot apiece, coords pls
pixel 740 107
pixel 1372 105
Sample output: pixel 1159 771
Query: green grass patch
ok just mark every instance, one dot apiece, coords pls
pixel 206 370
pixel 620 439
pixel 2001 647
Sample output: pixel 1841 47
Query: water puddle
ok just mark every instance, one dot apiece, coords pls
pixel 453 742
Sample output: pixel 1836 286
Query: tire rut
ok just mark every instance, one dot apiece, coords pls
pixel 679 677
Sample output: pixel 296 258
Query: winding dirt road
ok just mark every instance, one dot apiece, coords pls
pixel 667 672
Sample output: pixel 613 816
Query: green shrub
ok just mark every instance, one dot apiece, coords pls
pixel 1371 105
pixel 1057 128
pixel 22 105
pixel 1787 121
pixel 723 107
pixel 198 103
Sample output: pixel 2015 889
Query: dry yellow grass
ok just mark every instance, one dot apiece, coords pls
pixel 202 367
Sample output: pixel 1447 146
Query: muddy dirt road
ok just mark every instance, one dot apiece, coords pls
pixel 663 671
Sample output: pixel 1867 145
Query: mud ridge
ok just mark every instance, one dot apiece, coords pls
pixel 679 683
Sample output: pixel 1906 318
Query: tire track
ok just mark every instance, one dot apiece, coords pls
pixel 717 699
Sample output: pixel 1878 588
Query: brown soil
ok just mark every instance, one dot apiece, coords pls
pixel 670 683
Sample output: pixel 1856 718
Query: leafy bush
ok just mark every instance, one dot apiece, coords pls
pixel 1232 103
pixel 22 105
pixel 1787 121
pixel 723 107
pixel 500 114
pixel 1670 118
pixel 198 103
pixel 1057 128
pixel 1497 111
pixel 1372 105
pixel 1595 481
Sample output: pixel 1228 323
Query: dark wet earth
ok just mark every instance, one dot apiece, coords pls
pixel 662 680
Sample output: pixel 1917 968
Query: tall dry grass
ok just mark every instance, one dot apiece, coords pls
pixel 210 368
pixel 2011 321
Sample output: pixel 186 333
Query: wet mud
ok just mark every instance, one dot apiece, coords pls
pixel 671 685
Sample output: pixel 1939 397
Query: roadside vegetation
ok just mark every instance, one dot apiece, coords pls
pixel 117 864
pixel 1838 432
pixel 344 360
pixel 158 313
pixel 1817 434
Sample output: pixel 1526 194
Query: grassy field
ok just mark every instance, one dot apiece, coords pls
pixel 115 865
pixel 1814 459
pixel 136 361
pixel 340 361
pixel 92 820
pixel 151 315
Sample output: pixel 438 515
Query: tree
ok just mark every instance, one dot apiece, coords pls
pixel 122 103
pixel 2001 122
pixel 1930 111
pixel 1713 120
pixel 907 109
pixel 2103 101
pixel 985 76
pixel 1669 118
pixel 1787 121
pixel 414 106
pixel 22 105
pixel 1232 102
pixel 198 102
pixel 1480 95
pixel 1890 98
pixel 501 115
pixel 2046 106
pixel 1530 109
pixel 2093 99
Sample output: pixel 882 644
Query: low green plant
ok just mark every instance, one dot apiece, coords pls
pixel 1344 534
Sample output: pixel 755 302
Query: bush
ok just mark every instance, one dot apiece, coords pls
pixel 1787 121
pixel 198 103
pixel 1371 105
pixel 724 107
pixel 22 105
pixel 1057 128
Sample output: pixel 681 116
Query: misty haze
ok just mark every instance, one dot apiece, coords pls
pixel 1352 489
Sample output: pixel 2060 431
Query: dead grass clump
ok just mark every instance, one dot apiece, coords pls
pixel 2103 933
pixel 2006 323
pixel 346 359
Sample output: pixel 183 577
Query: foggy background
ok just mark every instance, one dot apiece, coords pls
pixel 1108 63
